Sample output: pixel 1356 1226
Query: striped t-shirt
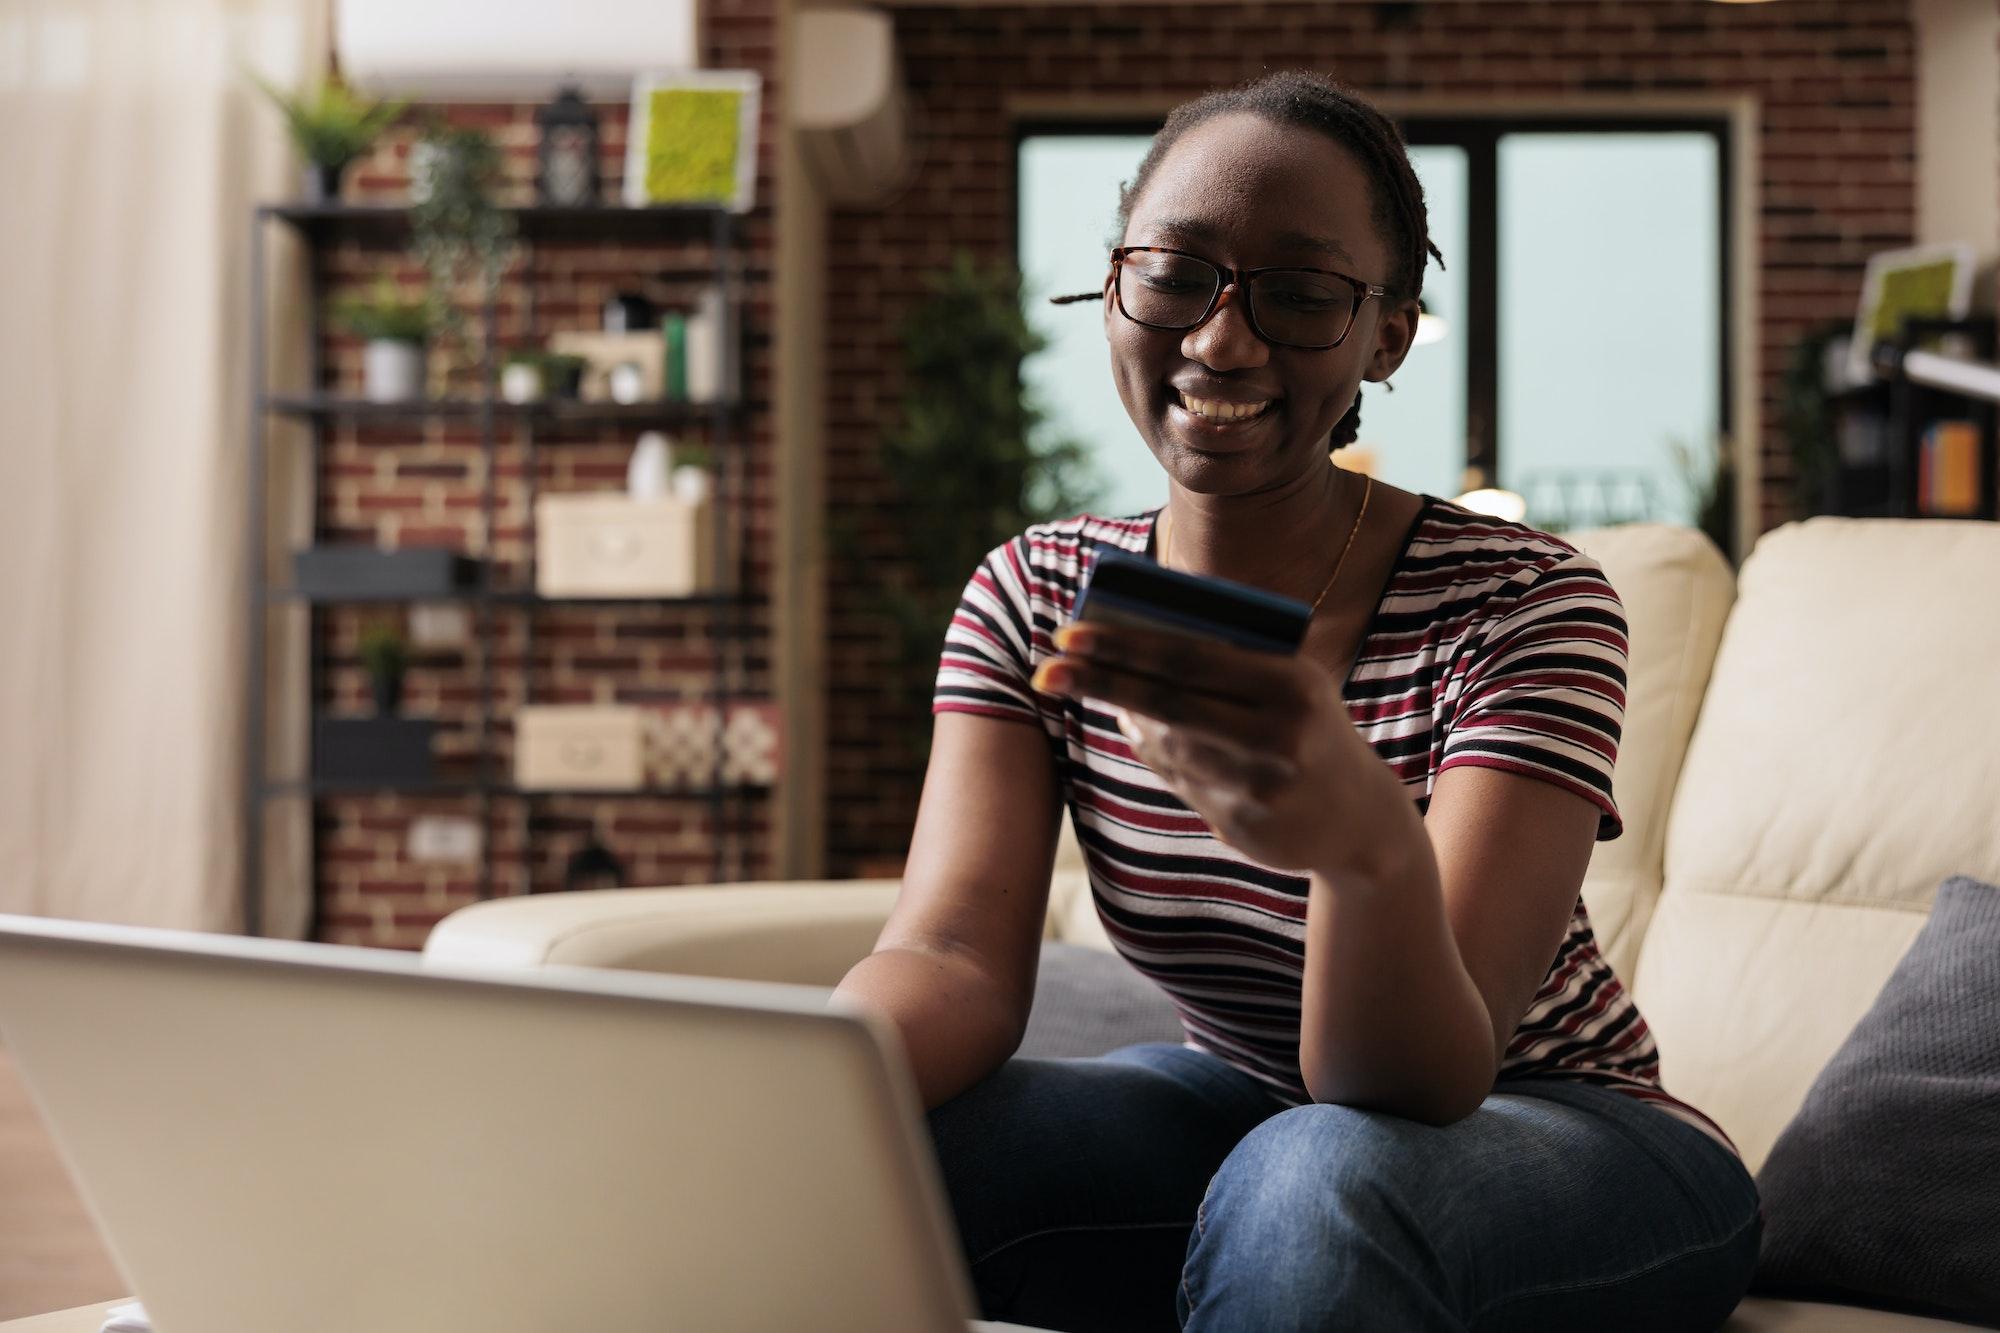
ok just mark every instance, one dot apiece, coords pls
pixel 1493 645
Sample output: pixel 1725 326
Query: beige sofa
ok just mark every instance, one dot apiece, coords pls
pixel 1809 751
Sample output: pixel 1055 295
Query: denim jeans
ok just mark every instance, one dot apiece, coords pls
pixel 1159 1186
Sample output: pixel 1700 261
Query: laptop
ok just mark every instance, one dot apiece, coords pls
pixel 275 1135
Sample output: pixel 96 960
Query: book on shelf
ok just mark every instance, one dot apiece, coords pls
pixel 1948 470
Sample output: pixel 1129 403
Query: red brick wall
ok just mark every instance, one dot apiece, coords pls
pixel 1834 79
pixel 419 484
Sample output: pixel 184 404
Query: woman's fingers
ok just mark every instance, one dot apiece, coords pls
pixel 1200 664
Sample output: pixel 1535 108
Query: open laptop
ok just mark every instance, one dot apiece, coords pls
pixel 275 1135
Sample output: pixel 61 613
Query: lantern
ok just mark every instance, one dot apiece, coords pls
pixel 566 166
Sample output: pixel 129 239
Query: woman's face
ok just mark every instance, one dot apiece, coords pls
pixel 1243 192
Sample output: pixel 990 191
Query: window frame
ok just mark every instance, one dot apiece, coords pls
pixel 1479 137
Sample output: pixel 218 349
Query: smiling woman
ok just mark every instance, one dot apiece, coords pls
pixel 1412 1092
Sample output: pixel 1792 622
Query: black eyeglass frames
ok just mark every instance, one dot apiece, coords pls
pixel 1308 308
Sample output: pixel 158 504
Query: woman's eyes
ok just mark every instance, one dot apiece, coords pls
pixel 1301 300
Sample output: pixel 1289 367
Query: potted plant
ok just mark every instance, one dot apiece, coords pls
pixel 395 328
pixel 331 127
pixel 970 463
pixel 691 483
pixel 385 655
pixel 562 374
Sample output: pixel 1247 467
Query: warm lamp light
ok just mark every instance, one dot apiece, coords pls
pixel 1494 502
pixel 1430 328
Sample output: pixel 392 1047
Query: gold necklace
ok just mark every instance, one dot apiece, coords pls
pixel 1368 489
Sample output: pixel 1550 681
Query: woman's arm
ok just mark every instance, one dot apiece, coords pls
pixel 1426 946
pixel 954 969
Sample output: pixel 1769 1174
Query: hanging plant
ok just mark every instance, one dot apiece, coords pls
pixel 459 233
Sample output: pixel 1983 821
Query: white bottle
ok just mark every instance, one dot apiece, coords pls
pixel 646 476
pixel 705 330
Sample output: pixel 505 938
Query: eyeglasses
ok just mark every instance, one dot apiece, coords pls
pixel 1308 308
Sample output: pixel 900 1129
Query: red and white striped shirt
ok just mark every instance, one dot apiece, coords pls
pixel 1494 645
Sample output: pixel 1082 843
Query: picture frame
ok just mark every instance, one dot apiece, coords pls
pixel 1932 281
pixel 693 139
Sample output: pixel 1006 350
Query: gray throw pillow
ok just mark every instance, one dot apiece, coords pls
pixel 1885 1188
pixel 1090 1001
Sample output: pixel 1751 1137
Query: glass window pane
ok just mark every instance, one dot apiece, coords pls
pixel 1610 321
pixel 1069 205
pixel 1417 433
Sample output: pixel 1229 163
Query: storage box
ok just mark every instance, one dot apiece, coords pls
pixel 365 571
pixel 388 750
pixel 609 545
pixel 604 352
pixel 586 747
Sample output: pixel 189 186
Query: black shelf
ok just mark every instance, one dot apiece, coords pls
pixel 389 224
pixel 1898 410
pixel 505 790
pixel 503 597
pixel 336 407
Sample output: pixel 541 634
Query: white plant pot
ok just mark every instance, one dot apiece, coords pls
pixel 392 372
pixel 521 382
pixel 691 484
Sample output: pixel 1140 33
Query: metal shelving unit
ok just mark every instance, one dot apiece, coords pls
pixel 387 227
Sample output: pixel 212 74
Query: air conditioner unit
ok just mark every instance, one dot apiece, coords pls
pixel 848 105
pixel 511 50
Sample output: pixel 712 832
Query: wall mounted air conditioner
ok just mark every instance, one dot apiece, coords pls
pixel 847 104
pixel 511 50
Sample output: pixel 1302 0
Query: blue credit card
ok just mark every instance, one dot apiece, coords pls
pixel 1123 588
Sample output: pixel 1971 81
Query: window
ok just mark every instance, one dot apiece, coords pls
pixel 1068 209
pixel 1585 303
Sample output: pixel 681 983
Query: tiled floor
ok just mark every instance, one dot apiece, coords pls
pixel 50 1256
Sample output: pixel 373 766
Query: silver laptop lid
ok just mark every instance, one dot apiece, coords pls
pixel 325 1140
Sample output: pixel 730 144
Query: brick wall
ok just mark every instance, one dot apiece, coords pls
pixel 1834 79
pixel 420 483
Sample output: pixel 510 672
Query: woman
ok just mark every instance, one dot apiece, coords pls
pixel 1412 1095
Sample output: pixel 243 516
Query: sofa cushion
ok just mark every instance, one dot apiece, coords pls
pixel 1677 590
pixel 1089 1001
pixel 1844 763
pixel 1882 1186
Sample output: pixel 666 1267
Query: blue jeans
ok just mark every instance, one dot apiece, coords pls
pixel 1159 1186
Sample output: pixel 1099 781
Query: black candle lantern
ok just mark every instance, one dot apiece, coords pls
pixel 566 172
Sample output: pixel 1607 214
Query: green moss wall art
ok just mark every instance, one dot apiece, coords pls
pixel 693 139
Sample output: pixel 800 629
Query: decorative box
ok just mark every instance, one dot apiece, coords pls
pixel 602 353
pixel 682 740
pixel 585 747
pixel 609 545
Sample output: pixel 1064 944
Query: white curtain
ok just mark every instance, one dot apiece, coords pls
pixel 132 148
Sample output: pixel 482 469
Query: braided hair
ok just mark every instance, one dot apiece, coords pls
pixel 1314 102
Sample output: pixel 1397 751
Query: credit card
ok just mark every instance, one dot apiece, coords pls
pixel 1128 589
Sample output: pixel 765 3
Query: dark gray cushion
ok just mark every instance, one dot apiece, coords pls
pixel 1886 1185
pixel 1090 1001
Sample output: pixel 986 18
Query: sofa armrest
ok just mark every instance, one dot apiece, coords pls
pixel 807 933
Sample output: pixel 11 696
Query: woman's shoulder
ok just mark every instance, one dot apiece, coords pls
pixel 1476 554
pixel 1063 548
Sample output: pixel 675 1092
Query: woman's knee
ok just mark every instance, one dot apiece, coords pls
pixel 1314 1203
